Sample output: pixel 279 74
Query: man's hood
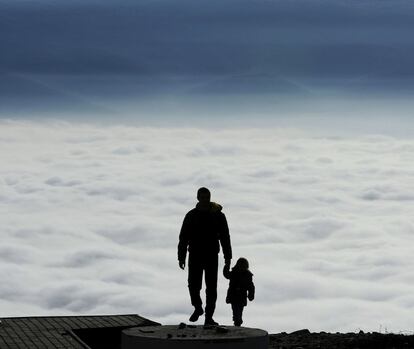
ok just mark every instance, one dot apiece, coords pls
pixel 214 206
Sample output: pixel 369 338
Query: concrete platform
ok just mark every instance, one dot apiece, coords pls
pixel 185 337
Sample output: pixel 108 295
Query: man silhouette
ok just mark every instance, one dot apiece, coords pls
pixel 204 229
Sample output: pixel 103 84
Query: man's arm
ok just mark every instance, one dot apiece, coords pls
pixel 183 242
pixel 226 271
pixel 225 239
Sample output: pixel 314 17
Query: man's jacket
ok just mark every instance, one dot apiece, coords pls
pixel 202 233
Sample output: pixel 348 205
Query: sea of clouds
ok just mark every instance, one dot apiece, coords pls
pixel 91 216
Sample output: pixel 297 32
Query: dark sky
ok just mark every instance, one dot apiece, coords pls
pixel 217 46
pixel 316 38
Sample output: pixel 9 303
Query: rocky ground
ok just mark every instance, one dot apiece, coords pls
pixel 304 339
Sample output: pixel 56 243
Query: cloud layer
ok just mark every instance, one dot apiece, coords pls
pixel 91 214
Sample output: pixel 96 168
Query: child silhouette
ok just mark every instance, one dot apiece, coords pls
pixel 241 287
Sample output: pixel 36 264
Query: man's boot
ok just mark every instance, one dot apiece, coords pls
pixel 209 321
pixel 196 314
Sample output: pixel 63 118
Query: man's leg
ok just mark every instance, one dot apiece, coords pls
pixel 195 278
pixel 211 266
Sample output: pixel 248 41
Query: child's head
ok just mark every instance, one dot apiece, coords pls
pixel 242 264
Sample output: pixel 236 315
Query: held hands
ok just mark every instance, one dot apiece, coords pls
pixel 226 269
pixel 181 264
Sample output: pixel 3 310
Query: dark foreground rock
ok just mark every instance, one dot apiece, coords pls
pixel 303 339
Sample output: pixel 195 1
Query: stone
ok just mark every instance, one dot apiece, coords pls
pixel 305 331
pixel 171 337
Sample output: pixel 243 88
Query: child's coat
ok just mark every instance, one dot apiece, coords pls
pixel 241 286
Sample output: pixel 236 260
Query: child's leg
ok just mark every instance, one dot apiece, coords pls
pixel 237 313
pixel 241 307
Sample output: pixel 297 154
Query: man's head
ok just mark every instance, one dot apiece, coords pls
pixel 203 196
